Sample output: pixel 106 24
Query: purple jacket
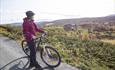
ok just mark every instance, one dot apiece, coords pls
pixel 30 29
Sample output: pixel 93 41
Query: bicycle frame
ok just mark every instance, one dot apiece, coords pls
pixel 40 41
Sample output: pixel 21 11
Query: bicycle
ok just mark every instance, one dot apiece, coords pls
pixel 49 55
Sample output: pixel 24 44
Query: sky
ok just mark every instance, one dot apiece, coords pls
pixel 14 10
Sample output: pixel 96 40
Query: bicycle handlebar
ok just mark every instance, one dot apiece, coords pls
pixel 43 34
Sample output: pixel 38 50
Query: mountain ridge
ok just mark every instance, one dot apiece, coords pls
pixel 79 21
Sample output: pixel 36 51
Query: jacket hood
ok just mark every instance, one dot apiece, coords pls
pixel 27 19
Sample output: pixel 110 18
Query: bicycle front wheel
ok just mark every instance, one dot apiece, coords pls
pixel 50 56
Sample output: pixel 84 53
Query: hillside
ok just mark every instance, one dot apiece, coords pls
pixel 85 54
pixel 80 21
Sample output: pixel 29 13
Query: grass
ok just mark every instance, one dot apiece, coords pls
pixel 85 54
pixel 109 41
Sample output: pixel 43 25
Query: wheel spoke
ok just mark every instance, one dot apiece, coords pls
pixel 51 57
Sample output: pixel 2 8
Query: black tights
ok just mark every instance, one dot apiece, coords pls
pixel 31 45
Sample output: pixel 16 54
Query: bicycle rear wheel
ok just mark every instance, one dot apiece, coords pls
pixel 50 56
pixel 25 48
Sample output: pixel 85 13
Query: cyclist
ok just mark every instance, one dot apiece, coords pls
pixel 29 31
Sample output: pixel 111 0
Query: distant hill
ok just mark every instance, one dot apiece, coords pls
pixel 78 21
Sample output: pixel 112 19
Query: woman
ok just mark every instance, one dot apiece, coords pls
pixel 29 31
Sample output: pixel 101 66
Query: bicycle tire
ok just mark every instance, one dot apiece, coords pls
pixel 54 50
pixel 23 47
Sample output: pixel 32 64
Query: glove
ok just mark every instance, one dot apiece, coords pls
pixel 45 32
pixel 34 37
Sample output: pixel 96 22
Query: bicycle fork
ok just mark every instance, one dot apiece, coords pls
pixel 47 51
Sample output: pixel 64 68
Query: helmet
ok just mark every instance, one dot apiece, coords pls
pixel 30 13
